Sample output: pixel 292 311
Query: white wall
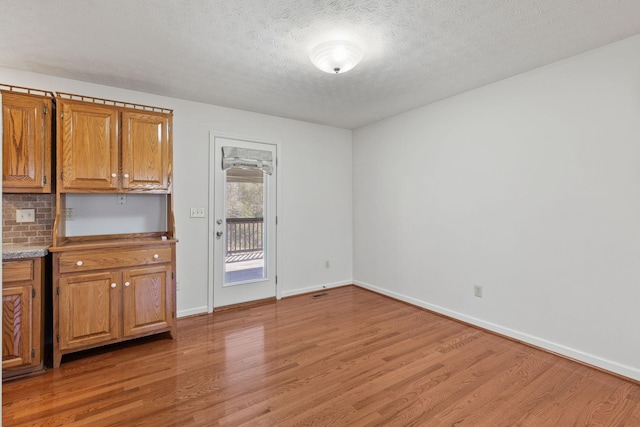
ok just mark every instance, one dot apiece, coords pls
pixel 315 215
pixel 529 187
pixel 104 214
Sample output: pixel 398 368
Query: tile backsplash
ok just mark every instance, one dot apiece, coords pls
pixel 40 231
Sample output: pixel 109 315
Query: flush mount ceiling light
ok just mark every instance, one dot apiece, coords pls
pixel 338 56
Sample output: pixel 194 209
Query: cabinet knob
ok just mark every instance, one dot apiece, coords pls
pixel 156 256
pixel 127 284
pixel 113 175
pixel 126 175
pixel 79 263
pixel 113 285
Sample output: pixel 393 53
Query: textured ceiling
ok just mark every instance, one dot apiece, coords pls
pixel 254 54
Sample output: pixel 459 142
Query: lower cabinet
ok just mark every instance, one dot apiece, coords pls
pixel 22 317
pixel 105 296
pixel 146 298
pixel 88 310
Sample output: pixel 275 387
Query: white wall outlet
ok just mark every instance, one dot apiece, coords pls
pixel 477 291
pixel 197 213
pixel 122 199
pixel 25 215
pixel 69 214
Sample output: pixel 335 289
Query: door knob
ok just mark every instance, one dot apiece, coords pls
pixel 219 233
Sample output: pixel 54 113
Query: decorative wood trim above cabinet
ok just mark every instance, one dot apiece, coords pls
pixel 113 103
pixel 26 90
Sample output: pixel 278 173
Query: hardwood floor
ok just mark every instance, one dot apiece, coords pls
pixel 350 358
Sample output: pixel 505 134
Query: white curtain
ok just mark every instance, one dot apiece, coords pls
pixel 245 158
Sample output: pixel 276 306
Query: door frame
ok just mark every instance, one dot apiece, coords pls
pixel 211 202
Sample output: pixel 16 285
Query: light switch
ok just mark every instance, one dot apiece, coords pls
pixel 197 212
pixel 25 215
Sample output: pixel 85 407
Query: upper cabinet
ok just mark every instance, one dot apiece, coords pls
pixel 146 162
pixel 26 141
pixel 87 147
pixel 113 148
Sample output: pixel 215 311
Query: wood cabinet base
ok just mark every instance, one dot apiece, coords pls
pixel 57 356
pixel 22 317
pixel 111 291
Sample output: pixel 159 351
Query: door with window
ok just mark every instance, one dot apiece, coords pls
pixel 244 221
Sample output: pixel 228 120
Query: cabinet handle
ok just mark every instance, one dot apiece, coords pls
pixel 113 175
pixel 156 256
pixel 126 175
pixel 79 263
pixel 127 284
pixel 113 285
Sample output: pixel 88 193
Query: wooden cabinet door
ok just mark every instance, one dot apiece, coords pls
pixel 146 157
pixel 89 147
pixel 16 326
pixel 147 300
pixel 89 309
pixel 26 143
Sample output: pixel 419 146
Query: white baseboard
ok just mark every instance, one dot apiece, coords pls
pixel 192 311
pixel 315 288
pixel 605 364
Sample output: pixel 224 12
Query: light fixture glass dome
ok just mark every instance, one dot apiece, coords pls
pixel 337 56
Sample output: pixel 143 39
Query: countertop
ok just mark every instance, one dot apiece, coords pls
pixel 23 250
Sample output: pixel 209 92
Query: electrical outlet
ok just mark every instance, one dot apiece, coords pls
pixel 477 291
pixel 122 199
pixel 25 215
pixel 197 213
pixel 69 214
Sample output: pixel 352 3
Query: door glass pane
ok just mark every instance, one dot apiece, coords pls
pixel 245 232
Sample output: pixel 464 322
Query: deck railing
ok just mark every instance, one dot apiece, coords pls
pixel 244 235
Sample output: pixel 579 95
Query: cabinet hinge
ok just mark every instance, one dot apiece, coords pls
pixel 46 110
pixel 173 315
pixel 58 337
pixel 33 353
pixel 58 290
pixel 33 292
pixel 61 114
pixel 173 275
pixel 276 280
pixel 276 220
pixel 44 179
pixel 61 176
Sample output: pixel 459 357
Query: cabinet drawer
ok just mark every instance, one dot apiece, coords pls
pixel 70 262
pixel 16 271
